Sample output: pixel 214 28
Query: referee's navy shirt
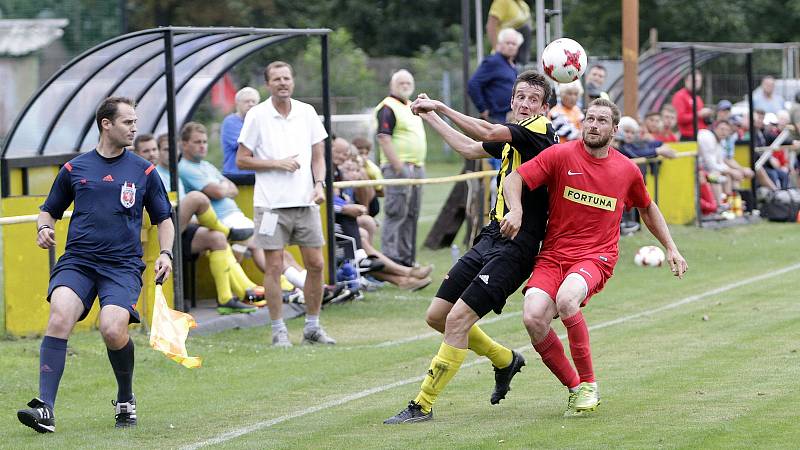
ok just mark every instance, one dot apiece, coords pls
pixel 109 194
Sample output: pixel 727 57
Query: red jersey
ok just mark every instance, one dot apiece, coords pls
pixel 682 102
pixel 586 197
pixel 666 136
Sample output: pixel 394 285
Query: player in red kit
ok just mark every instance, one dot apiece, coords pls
pixel 589 184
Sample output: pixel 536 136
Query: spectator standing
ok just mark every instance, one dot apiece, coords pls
pixel 682 102
pixel 490 86
pixel 283 141
pixel 401 136
pixel 246 98
pixel 514 14
pixel 764 97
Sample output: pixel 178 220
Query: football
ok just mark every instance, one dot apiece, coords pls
pixel 649 256
pixel 564 60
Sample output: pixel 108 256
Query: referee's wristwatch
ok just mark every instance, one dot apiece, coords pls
pixel 166 252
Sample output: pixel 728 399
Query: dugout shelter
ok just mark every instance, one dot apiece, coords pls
pixel 168 71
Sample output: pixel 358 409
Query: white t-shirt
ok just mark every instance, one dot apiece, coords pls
pixel 271 136
pixel 712 155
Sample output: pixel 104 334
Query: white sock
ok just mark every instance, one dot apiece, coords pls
pixel 312 321
pixel 297 278
pixel 278 325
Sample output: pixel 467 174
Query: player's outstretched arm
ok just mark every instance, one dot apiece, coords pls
pixel 655 222
pixel 512 194
pixel 46 233
pixel 477 129
pixel 465 146
pixel 166 235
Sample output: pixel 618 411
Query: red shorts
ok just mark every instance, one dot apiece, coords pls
pixel 549 273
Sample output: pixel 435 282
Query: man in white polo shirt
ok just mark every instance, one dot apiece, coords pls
pixel 282 140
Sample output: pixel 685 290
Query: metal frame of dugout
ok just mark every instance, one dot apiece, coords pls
pixel 168 71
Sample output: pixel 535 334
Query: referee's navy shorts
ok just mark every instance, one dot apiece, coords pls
pixel 113 284
pixel 493 269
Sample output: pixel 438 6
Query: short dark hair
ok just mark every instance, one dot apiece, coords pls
pixel 145 137
pixel 599 66
pixel 362 142
pixel 275 65
pixel 607 104
pixel 651 114
pixel 161 139
pixel 109 108
pixel 534 78
pixel 192 127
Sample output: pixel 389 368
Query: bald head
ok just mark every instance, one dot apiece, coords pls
pixel 402 84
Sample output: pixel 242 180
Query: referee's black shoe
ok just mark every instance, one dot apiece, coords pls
pixel 125 413
pixel 502 377
pixel 239 234
pixel 39 417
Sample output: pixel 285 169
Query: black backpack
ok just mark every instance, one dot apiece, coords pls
pixel 782 205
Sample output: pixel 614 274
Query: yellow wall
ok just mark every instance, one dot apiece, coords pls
pixel 676 186
pixel 26 273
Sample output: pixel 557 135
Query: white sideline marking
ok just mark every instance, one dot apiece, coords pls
pixel 375 390
pixel 419 337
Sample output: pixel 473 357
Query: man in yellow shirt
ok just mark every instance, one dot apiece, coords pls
pixel 514 14
pixel 401 136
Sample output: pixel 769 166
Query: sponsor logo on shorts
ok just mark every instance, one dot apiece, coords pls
pixel 602 258
pixel 484 278
pixel 585 271
pixel 590 199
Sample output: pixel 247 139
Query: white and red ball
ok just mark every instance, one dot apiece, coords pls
pixel 564 60
pixel 649 256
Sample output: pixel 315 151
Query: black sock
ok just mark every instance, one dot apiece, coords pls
pixel 52 357
pixel 122 363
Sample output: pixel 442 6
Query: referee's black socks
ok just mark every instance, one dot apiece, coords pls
pixel 122 363
pixel 52 357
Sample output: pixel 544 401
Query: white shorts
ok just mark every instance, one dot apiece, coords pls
pixel 237 220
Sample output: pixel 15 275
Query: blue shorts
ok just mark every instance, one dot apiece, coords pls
pixel 114 285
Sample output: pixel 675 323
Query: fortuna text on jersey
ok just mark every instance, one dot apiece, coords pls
pixel 590 199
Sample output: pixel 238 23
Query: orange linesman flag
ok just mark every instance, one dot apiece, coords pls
pixel 169 331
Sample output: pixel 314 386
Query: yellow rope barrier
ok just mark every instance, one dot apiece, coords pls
pixel 366 183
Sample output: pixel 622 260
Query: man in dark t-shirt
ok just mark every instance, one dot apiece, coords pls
pixel 109 187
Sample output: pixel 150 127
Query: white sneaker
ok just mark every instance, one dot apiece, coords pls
pixel 281 339
pixel 317 336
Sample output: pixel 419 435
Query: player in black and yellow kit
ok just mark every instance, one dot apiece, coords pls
pixel 495 267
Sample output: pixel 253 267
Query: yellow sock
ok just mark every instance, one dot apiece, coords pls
pixel 209 220
pixel 285 284
pixel 218 263
pixel 483 345
pixel 443 367
pixel 237 288
pixel 237 273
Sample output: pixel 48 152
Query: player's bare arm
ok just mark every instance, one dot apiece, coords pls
pixel 46 235
pixel 465 146
pixel 385 141
pixel 318 171
pixel 477 129
pixel 166 235
pixel 512 193
pixel 655 222
pixel 246 161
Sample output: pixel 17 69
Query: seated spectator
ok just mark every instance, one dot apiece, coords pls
pixel 348 212
pixel 199 175
pixel 568 109
pixel 668 119
pixel 246 98
pixel 712 157
pixel 765 97
pixel 364 147
pixel 634 145
pixel 206 234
